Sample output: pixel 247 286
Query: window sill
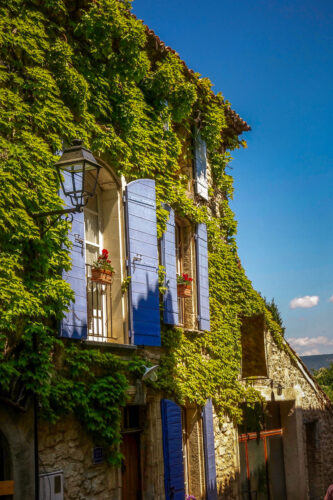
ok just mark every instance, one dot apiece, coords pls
pixel 190 330
pixel 111 345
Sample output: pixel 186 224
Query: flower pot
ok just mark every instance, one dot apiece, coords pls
pixel 184 290
pixel 101 275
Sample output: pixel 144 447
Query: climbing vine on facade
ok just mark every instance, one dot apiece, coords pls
pixel 89 69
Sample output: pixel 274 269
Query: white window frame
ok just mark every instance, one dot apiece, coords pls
pixel 97 315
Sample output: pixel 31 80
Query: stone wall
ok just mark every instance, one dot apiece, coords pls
pixel 227 459
pixel 66 446
pixel 307 422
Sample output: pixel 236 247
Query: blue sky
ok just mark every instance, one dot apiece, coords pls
pixel 273 60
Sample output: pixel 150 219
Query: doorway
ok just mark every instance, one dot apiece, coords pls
pixel 130 449
pixel 6 483
pixel 262 473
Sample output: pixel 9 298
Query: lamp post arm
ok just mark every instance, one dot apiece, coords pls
pixel 59 212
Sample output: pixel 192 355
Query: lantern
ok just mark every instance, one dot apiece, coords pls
pixel 73 167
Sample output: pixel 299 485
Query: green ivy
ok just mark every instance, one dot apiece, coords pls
pixel 94 73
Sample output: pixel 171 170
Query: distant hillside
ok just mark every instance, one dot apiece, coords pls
pixel 317 361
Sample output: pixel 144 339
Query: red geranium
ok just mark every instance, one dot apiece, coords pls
pixel 103 262
pixel 183 279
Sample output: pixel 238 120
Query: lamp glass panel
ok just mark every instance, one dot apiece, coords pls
pixel 73 179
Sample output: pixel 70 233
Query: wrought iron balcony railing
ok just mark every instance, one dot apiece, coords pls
pixel 99 301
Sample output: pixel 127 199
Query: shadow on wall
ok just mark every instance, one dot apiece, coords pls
pixel 146 311
pixel 228 488
pixel 307 459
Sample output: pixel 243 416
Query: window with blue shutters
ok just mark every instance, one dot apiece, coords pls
pixel 200 166
pixel 188 450
pixel 143 262
pixel 99 311
pixel 186 264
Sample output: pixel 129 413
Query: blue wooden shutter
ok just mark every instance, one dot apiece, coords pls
pixel 200 166
pixel 202 277
pixel 172 450
pixel 168 250
pixel 142 255
pixel 74 324
pixel 209 449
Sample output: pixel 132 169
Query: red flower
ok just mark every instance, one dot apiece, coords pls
pixel 105 252
pixel 108 261
pixel 190 279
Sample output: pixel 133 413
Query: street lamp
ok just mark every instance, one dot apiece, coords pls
pixel 72 168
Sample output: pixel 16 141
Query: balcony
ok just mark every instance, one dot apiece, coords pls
pixel 99 302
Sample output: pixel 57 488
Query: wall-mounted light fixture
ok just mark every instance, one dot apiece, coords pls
pixel 150 374
pixel 72 168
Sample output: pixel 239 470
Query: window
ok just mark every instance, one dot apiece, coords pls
pixel 200 166
pixel 103 224
pixel 186 264
pixel 253 347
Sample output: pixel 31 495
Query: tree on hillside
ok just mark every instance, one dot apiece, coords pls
pixel 273 308
pixel 324 377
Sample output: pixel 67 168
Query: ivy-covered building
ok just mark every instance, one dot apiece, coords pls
pixel 166 377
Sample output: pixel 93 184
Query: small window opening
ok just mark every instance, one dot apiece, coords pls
pixel 253 347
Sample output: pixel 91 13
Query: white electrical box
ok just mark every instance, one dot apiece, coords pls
pixel 51 485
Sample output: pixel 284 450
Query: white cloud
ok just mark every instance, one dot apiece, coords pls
pixel 309 341
pixel 302 345
pixel 330 299
pixel 304 302
pixel 310 352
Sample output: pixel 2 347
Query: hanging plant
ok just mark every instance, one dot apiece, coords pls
pixel 184 285
pixel 102 270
